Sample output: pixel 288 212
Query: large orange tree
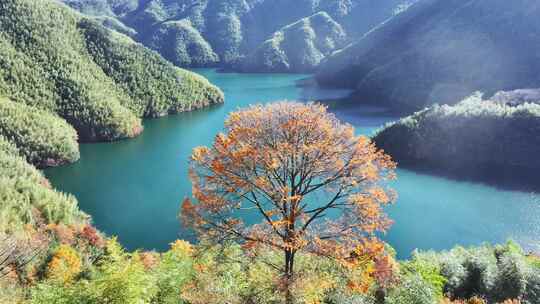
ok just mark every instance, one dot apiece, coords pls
pixel 313 185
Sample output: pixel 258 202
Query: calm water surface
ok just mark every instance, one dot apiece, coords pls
pixel 133 188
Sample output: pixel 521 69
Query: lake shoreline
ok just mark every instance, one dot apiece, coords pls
pixel 133 188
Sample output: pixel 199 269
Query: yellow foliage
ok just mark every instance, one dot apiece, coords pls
pixel 312 289
pixel 64 265
pixel 182 247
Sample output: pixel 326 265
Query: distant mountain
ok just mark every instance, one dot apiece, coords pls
pixel 53 59
pixel 298 47
pixel 478 137
pixel 221 32
pixel 440 51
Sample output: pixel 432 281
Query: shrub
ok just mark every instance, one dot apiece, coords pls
pixel 175 270
pixel 64 265
pixel 429 270
pixel 511 281
pixel 413 289
pixel 121 278
pixel 532 291
pixel 219 277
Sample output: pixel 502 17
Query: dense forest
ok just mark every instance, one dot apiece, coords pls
pixel 99 81
pixel 475 137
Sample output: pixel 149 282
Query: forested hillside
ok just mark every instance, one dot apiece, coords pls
pixel 64 79
pixel 221 32
pixel 100 82
pixel 440 51
pixel 477 137
pixel 299 47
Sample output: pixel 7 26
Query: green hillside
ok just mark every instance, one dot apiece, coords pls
pixel 42 137
pixel 27 197
pixel 477 137
pixel 181 43
pixel 65 78
pixel 99 81
pixel 298 47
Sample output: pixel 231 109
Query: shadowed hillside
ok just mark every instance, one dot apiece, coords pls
pixel 441 51
pixel 477 137
pixel 299 47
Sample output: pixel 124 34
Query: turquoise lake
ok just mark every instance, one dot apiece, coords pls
pixel 133 188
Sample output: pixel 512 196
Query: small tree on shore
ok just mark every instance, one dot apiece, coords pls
pixel 315 186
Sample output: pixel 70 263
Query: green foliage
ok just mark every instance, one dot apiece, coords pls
pixel 155 86
pixel 13 166
pixel 534 260
pixel 511 281
pixel 532 292
pixel 47 66
pixel 43 138
pixel 26 196
pixel 413 289
pixel 46 293
pixel 25 202
pixel 181 43
pixel 496 273
pixel 119 278
pixel 175 270
pixel 122 278
pixel 220 277
pixel 207 274
pixel 428 270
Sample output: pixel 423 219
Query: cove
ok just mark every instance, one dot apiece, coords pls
pixel 133 188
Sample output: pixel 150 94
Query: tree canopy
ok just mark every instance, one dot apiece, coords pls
pixel 317 187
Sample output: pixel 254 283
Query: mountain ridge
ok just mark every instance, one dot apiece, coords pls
pixel 229 30
pixel 440 52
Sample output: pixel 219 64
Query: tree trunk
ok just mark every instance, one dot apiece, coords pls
pixel 289 274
